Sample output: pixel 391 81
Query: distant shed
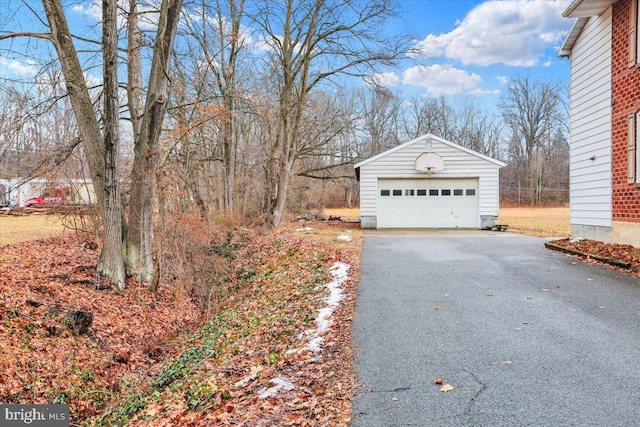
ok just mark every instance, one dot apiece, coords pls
pixel 18 190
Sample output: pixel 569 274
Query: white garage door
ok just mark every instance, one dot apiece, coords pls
pixel 445 203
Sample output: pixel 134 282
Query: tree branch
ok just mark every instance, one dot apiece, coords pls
pixel 46 36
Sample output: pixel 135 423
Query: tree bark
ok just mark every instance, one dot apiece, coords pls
pixel 101 151
pixel 110 263
pixel 134 68
pixel 143 176
pixel 76 85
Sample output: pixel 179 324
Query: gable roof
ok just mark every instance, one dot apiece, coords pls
pixel 583 10
pixel 425 137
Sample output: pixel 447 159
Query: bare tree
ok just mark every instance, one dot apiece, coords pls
pixel 139 236
pixel 78 92
pixel 310 43
pixel 431 115
pixel 100 142
pixel 464 123
pixel 219 44
pixel 477 129
pixel 380 114
pixel 532 111
pixel 111 263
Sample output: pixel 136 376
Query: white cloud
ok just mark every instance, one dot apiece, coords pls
pixel 513 33
pixel 504 80
pixel 92 10
pixel 260 45
pixel 17 68
pixel 482 92
pixel 441 80
pixel 389 79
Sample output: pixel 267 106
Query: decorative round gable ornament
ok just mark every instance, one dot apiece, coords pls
pixel 429 163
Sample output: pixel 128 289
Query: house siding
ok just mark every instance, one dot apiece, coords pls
pixel 400 164
pixel 591 154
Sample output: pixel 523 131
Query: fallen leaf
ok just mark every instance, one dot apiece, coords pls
pixel 589 279
pixel 599 306
pixel 436 307
pixel 445 388
pixel 394 399
pixel 438 381
pixel 506 362
pixel 256 369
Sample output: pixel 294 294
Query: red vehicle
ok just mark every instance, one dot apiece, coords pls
pixel 54 196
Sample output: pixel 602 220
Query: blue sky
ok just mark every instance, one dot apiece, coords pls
pixel 466 48
pixel 471 48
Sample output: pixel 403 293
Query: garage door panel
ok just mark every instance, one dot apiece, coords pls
pixel 442 203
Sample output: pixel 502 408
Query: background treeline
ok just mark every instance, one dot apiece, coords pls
pixel 347 126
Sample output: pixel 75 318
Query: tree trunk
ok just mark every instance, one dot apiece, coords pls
pixel 134 68
pixel 111 263
pixel 281 196
pixel 88 125
pixel 143 176
pixel 227 158
pixel 105 184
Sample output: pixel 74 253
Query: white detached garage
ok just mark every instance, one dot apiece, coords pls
pixel 429 182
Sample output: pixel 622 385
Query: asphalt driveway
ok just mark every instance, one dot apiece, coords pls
pixel 526 336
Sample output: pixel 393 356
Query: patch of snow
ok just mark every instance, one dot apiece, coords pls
pixel 323 321
pixel 344 238
pixel 280 383
pixel 313 341
pixel 577 240
pixel 304 229
pixel 314 345
pixel 246 380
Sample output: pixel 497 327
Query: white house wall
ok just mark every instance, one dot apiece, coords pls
pixel 458 164
pixel 591 129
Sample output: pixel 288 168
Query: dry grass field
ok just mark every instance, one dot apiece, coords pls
pixel 347 214
pixel 542 222
pixel 14 229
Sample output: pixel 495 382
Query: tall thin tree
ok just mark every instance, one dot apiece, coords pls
pixel 311 43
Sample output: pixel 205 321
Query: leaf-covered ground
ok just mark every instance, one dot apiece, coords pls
pixel 250 364
pixel 41 359
pixel 620 252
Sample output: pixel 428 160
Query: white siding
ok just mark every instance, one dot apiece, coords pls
pixel 458 164
pixel 591 124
